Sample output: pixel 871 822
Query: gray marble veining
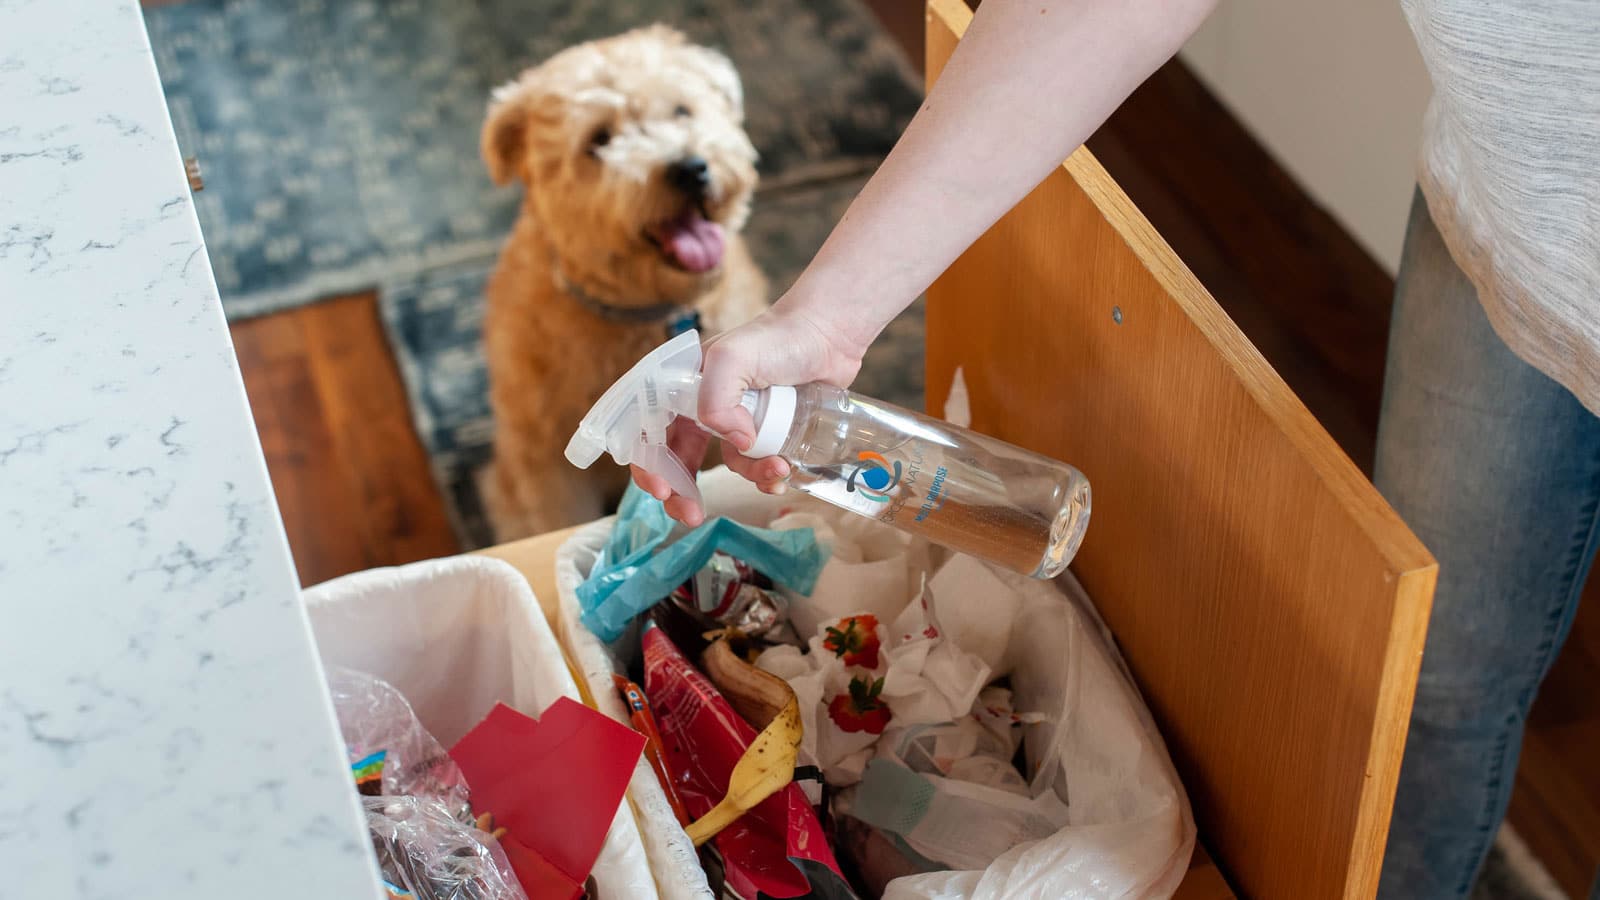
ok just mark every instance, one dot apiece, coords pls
pixel 164 730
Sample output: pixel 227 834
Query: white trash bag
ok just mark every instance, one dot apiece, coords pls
pixel 1128 831
pixel 455 636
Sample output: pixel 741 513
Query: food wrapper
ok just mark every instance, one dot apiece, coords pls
pixel 778 848
pixel 729 592
pixel 390 752
pixel 425 853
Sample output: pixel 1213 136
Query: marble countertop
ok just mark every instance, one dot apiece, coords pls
pixel 164 730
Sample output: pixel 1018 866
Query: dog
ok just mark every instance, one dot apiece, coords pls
pixel 637 177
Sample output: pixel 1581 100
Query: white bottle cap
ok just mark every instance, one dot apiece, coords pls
pixel 773 412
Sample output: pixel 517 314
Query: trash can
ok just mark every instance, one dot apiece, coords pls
pixel 456 636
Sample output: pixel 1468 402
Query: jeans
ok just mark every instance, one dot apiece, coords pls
pixel 1497 469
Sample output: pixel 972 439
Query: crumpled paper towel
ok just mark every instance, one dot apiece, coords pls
pixel 872 568
pixel 977 748
pixel 930 677
pixel 977 611
pixel 927 679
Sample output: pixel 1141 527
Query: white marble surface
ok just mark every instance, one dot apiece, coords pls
pixel 163 726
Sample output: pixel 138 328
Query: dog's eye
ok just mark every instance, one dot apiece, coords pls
pixel 682 112
pixel 600 138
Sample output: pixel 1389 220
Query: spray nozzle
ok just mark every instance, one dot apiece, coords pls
pixel 630 420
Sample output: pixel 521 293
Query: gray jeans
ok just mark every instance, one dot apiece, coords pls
pixel 1497 469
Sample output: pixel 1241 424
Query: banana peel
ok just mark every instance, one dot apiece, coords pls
pixel 757 695
pixel 768 764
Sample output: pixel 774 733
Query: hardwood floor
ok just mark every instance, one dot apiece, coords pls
pixel 351 477
pixel 1556 803
pixel 353 482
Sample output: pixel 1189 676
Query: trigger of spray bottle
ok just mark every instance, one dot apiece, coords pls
pixel 630 419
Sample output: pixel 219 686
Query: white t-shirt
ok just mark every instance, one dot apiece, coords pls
pixel 1511 169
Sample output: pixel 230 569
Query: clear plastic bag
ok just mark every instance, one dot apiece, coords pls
pixel 426 854
pixel 1128 832
pixel 383 735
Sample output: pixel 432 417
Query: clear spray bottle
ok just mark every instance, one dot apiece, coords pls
pixel 955 487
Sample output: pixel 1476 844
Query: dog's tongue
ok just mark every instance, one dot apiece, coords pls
pixel 694 242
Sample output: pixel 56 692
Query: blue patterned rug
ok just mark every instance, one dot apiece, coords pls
pixel 339 138
pixel 339 143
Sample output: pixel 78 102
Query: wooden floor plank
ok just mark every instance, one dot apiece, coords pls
pixel 1556 803
pixel 398 510
pixel 351 478
pixel 1549 813
pixel 302 459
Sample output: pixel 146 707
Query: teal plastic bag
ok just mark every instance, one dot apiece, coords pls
pixel 642 525
pixel 635 572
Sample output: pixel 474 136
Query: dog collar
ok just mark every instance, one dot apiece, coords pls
pixel 677 317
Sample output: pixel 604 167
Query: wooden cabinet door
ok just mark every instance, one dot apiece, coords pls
pixel 1271 605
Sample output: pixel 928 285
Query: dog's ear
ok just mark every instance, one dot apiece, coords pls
pixel 505 132
pixel 719 72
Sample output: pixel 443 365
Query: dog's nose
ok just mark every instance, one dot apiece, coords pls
pixel 690 175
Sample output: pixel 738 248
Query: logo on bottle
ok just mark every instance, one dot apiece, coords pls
pixel 875 478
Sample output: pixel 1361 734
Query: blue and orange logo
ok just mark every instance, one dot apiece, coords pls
pixel 875 478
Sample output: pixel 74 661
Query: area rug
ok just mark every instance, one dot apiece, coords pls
pixel 338 139
pixel 435 320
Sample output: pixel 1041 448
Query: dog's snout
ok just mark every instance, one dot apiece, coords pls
pixel 690 175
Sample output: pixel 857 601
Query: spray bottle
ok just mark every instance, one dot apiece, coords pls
pixel 955 487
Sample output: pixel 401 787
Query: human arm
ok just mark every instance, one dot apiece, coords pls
pixel 1029 82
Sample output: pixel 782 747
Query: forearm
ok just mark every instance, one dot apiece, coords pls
pixel 1029 82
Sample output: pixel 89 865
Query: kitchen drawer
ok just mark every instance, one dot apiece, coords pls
pixel 1271 605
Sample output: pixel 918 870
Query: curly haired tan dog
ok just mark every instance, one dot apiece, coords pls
pixel 638 177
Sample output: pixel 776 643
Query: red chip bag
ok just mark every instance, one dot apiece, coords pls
pixel 772 848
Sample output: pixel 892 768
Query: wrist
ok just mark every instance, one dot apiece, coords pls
pixel 846 325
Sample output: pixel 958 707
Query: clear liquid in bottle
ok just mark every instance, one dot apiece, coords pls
pixel 955 487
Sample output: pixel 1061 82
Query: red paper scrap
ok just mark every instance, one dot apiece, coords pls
pixel 555 783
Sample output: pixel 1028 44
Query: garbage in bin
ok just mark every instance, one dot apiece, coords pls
pixel 390 752
pixel 706 744
pixel 554 783
pixel 1090 802
pixel 416 799
pixel 638 569
pixel 425 853
pixel 454 637
pixel 861 677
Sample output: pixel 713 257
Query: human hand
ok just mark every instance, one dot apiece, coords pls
pixel 778 347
